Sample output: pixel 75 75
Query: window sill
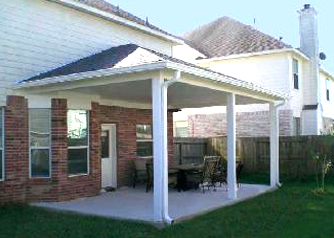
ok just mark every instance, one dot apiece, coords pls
pixel 144 157
pixel 40 178
pixel 77 175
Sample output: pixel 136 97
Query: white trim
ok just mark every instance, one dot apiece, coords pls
pixel 113 154
pixel 246 55
pixel 144 140
pixel 81 147
pixel 233 83
pixel 293 59
pixel 3 143
pixel 92 74
pixel 224 79
pixel 41 147
pixel 123 21
pixel 231 146
pixel 326 73
pixel 274 145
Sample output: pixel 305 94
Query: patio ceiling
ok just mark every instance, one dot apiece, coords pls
pixel 180 95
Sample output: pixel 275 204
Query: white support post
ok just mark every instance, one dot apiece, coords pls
pixel 231 147
pixel 160 150
pixel 274 145
pixel 164 151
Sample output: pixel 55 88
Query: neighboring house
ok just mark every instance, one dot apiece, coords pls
pixel 83 94
pixel 239 50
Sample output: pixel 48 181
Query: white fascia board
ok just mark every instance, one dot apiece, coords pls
pixel 91 74
pixel 219 78
pixel 111 17
pixel 213 76
pixel 246 55
pixel 327 73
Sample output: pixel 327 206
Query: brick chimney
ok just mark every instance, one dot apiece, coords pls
pixel 309 45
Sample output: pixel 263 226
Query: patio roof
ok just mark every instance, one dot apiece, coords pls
pixel 132 59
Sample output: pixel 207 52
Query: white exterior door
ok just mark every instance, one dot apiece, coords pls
pixel 109 156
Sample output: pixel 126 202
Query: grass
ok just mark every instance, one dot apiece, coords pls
pixel 295 210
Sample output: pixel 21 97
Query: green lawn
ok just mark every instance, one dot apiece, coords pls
pixel 292 211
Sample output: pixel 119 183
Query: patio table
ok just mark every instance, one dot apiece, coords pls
pixel 182 174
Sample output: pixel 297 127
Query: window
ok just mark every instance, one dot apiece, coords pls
pixel 295 74
pixel 78 144
pixel 327 90
pixel 181 129
pixel 144 140
pixel 2 154
pixel 296 126
pixel 40 161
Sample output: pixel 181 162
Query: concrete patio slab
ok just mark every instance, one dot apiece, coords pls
pixel 136 204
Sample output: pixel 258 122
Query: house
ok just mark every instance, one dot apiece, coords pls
pixel 83 94
pixel 239 50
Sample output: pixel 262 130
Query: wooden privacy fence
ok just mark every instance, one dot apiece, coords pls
pixel 295 152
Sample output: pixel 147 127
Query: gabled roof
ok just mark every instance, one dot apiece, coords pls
pixel 125 59
pixel 115 57
pixel 107 7
pixel 226 36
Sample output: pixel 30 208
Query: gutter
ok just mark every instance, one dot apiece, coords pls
pixel 212 76
pixel 246 55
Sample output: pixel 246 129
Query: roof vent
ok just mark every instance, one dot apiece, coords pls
pixel 307 6
pixel 322 56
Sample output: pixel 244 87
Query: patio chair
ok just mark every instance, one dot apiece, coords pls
pixel 205 178
pixel 139 171
pixel 149 176
pixel 220 173
pixel 240 166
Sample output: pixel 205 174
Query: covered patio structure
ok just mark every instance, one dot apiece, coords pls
pixel 135 77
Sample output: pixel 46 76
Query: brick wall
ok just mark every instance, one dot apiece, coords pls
pixel 249 124
pixel 17 186
pixel 14 188
pixel 77 186
pixel 126 120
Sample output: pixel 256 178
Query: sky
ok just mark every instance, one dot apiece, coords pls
pixel 276 18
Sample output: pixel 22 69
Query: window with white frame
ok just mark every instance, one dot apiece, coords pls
pixel 78 142
pixel 295 70
pixel 327 90
pixel 181 129
pixel 40 156
pixel 2 153
pixel 144 140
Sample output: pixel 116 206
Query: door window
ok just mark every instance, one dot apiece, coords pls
pixel 105 144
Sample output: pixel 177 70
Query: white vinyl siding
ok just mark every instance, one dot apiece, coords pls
pixel 37 36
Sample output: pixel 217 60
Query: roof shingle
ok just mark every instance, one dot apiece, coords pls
pixel 116 10
pixel 226 36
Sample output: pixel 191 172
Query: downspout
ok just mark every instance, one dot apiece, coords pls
pixel 279 104
pixel 177 75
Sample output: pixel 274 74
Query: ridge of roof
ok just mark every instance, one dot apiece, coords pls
pixel 226 36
